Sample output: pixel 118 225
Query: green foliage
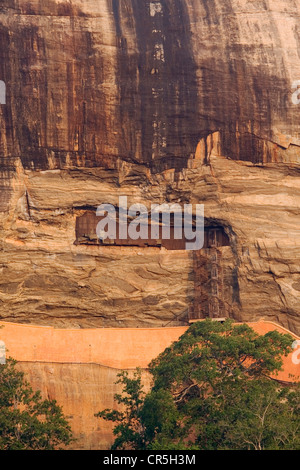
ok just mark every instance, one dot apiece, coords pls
pixel 212 390
pixel 210 352
pixel 129 429
pixel 261 415
pixel 27 422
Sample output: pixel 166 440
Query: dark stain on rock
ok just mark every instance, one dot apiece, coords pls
pixel 158 87
pixel 168 96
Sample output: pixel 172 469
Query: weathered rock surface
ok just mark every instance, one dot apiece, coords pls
pixel 82 390
pixel 176 101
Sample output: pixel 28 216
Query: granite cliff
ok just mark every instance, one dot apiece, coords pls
pixel 181 101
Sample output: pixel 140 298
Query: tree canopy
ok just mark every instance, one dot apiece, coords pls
pixel 27 422
pixel 215 388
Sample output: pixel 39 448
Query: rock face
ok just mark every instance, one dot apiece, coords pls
pixel 182 101
pixel 82 390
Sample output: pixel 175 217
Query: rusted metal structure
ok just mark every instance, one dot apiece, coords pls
pixel 209 300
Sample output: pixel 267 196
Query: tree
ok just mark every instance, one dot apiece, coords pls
pixel 262 416
pixel 213 389
pixel 27 422
pixel 129 429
